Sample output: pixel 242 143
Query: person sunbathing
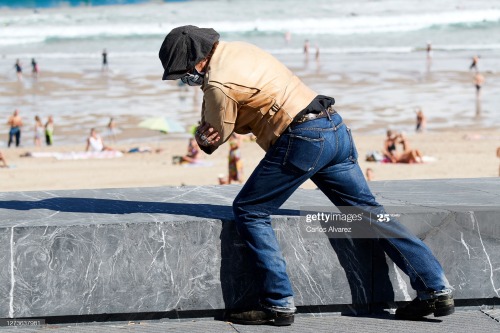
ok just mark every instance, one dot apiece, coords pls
pixel 192 156
pixel 95 142
pixel 406 156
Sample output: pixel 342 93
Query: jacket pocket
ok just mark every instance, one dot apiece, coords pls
pixel 303 153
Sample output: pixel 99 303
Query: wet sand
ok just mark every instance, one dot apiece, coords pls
pixel 372 92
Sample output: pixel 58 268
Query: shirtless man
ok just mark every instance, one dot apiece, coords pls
pixel 478 82
pixel 15 122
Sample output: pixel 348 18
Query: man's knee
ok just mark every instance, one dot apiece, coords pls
pixel 238 210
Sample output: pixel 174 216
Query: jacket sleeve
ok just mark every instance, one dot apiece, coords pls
pixel 219 111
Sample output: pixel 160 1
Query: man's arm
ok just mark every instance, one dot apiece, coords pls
pixel 217 119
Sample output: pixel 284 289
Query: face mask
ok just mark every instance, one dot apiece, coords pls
pixel 195 79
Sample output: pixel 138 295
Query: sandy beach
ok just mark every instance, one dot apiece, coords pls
pixel 457 154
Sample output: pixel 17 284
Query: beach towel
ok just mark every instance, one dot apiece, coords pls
pixel 198 164
pixel 375 156
pixel 81 155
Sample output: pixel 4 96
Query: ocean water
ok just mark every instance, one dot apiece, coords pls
pixel 359 26
pixel 372 56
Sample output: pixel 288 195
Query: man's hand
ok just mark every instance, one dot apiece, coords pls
pixel 206 135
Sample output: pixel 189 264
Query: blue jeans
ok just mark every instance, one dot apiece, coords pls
pixel 321 150
pixel 14 132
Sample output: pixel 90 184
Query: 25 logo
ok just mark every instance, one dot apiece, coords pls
pixel 383 218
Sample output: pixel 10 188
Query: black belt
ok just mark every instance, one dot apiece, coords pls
pixel 302 118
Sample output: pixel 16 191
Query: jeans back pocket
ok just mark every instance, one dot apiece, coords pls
pixel 303 152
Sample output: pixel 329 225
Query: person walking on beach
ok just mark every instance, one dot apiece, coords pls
pixel 34 68
pixel 421 120
pixel 39 131
pixel 112 129
pixel 15 122
pixel 19 70
pixel 104 60
pixel 49 131
pixel 478 83
pixel 429 57
pixel 429 50
pixel 288 37
pixel 306 47
pixel 473 65
pixel 245 89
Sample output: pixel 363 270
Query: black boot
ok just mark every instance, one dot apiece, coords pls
pixel 259 317
pixel 439 306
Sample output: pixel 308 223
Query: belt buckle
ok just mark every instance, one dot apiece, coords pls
pixel 310 116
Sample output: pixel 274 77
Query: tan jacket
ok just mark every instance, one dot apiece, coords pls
pixel 248 90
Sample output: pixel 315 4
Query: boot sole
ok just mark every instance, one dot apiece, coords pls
pixel 248 322
pixel 444 312
pixel 284 321
pixel 444 308
pixel 280 321
pixel 441 308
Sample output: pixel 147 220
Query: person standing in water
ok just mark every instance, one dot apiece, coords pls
pixel 19 70
pixel 104 60
pixel 34 68
pixel 473 65
pixel 478 83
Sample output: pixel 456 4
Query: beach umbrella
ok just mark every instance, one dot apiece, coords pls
pixel 163 124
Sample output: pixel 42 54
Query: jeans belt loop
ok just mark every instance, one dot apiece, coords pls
pixel 328 110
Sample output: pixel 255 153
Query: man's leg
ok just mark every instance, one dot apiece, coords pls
pixel 344 184
pixel 264 192
pixel 18 138
pixel 288 163
pixel 11 137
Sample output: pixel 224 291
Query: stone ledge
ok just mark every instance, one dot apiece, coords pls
pixel 65 253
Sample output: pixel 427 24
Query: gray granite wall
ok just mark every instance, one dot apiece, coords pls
pixel 161 249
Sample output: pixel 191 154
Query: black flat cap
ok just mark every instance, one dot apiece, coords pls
pixel 183 48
